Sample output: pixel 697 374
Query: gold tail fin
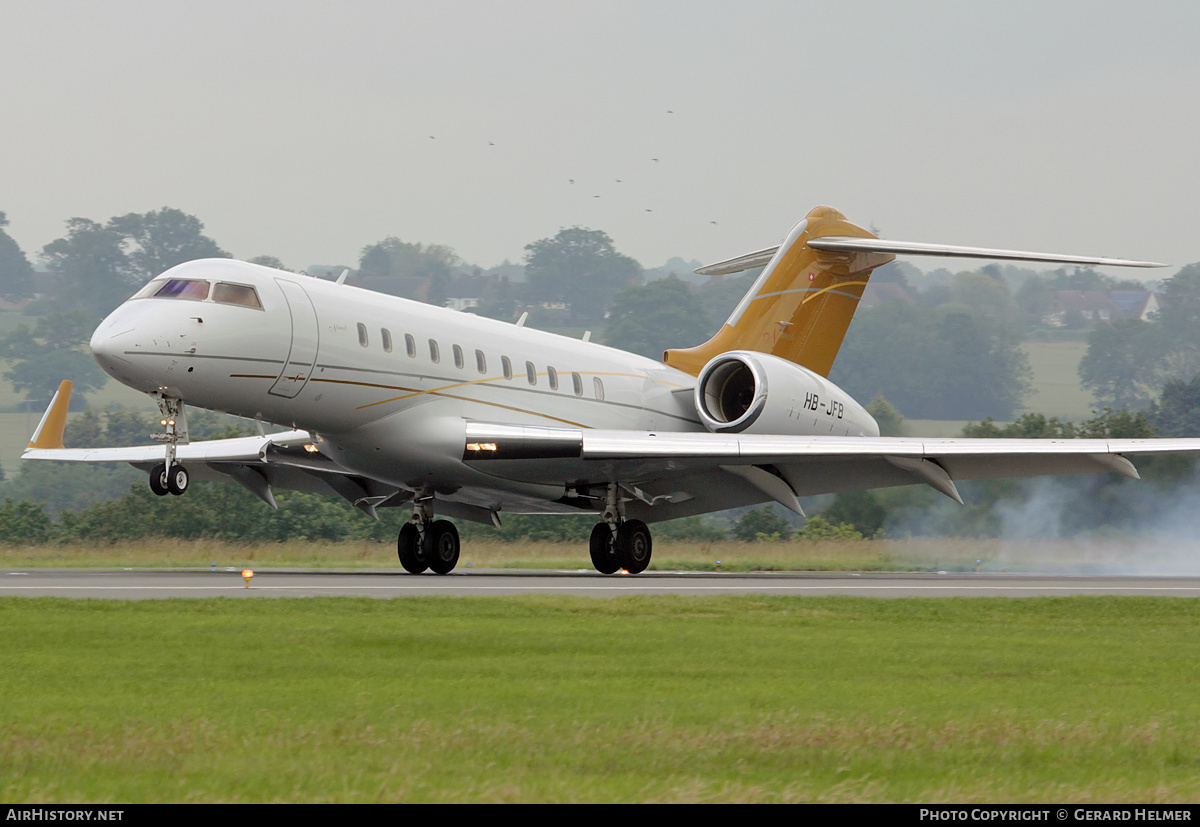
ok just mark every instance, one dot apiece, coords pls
pixel 49 433
pixel 801 305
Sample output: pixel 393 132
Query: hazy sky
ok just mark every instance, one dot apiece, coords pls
pixel 307 130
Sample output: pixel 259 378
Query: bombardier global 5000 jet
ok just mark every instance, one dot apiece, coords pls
pixel 393 403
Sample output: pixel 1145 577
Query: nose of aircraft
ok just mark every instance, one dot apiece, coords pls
pixel 108 344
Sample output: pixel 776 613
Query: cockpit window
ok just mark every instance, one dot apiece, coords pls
pixel 236 294
pixel 197 290
pixel 183 289
pixel 149 290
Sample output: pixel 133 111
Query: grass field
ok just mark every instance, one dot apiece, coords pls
pixel 1056 388
pixel 551 699
pixel 909 554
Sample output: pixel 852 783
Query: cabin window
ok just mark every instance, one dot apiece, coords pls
pixel 236 294
pixel 507 366
pixel 577 382
pixel 435 354
pixel 458 357
pixel 386 336
pixel 182 289
pixel 552 375
pixel 598 386
pixel 410 345
pixel 531 373
pixel 481 361
pixel 362 334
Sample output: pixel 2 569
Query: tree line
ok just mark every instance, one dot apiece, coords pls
pixel 948 348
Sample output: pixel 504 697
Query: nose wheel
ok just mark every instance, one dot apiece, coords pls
pixel 158 480
pixel 163 482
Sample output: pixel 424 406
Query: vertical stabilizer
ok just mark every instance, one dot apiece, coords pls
pixel 801 304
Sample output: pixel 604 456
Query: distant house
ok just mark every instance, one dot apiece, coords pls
pixel 1088 305
pixel 466 290
pixel 1099 306
pixel 1135 304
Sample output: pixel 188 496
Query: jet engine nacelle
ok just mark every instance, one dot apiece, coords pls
pixel 756 393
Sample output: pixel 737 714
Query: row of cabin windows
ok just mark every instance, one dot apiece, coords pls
pixel 435 355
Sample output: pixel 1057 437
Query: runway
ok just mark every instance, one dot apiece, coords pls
pixel 148 584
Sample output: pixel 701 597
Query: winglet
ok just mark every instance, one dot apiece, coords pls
pixel 49 433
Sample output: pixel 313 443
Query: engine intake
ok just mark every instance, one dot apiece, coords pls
pixel 731 393
pixel 746 392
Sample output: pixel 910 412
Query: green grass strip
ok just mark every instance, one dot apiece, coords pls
pixel 561 699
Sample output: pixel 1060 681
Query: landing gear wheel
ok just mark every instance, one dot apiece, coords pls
pixel 633 546
pixel 411 550
pixel 442 540
pixel 158 480
pixel 177 480
pixel 604 556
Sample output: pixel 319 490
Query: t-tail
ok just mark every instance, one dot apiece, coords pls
pixel 801 305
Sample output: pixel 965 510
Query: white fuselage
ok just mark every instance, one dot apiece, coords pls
pixel 388 383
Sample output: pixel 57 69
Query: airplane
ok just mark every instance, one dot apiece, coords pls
pixel 394 403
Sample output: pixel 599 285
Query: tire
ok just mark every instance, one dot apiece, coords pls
pixel 633 546
pixel 158 480
pixel 411 551
pixel 442 541
pixel 177 480
pixel 604 556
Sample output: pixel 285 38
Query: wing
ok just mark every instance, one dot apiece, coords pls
pixel 257 463
pixel 675 474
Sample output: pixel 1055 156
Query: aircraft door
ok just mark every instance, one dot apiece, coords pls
pixel 305 338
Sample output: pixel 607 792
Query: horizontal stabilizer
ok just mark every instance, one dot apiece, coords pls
pixel 737 265
pixel 844 244
pixel 914 248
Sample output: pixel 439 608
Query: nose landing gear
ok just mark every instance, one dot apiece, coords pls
pixel 174 481
pixel 170 477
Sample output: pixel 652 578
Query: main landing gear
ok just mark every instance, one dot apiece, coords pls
pixel 170 477
pixel 426 543
pixel 617 543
